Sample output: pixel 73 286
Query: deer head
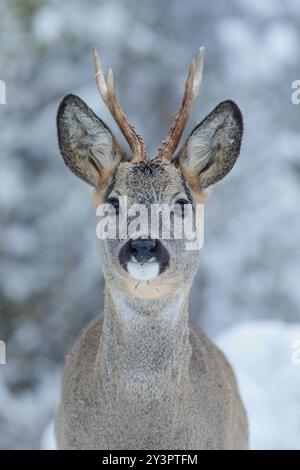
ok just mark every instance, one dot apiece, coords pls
pixel 147 267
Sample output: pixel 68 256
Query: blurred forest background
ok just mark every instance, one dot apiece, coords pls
pixel 50 276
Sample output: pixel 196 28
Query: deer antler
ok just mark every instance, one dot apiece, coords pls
pixel 108 94
pixel 192 88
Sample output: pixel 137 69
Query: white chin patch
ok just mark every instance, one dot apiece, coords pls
pixel 143 271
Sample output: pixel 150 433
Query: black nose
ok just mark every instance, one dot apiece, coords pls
pixel 143 249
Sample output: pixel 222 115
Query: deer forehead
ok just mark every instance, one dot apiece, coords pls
pixel 150 181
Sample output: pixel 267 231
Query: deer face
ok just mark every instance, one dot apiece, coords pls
pixel 144 265
pixel 141 264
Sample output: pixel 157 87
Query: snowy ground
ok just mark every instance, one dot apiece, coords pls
pixel 266 358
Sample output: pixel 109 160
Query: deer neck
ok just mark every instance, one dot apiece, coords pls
pixel 145 350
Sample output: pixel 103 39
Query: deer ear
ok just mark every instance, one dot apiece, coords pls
pixel 213 146
pixel 87 145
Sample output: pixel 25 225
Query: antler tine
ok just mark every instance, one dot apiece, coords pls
pixel 108 94
pixel 191 92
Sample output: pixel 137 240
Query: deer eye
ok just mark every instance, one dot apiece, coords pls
pixel 179 206
pixel 113 201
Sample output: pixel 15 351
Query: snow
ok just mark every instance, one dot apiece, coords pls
pixel 47 25
pixel 249 49
pixel 48 439
pixel 265 357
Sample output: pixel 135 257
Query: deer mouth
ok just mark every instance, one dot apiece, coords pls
pixel 143 271
pixel 144 259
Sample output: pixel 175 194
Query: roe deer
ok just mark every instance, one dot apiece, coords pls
pixel 141 377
